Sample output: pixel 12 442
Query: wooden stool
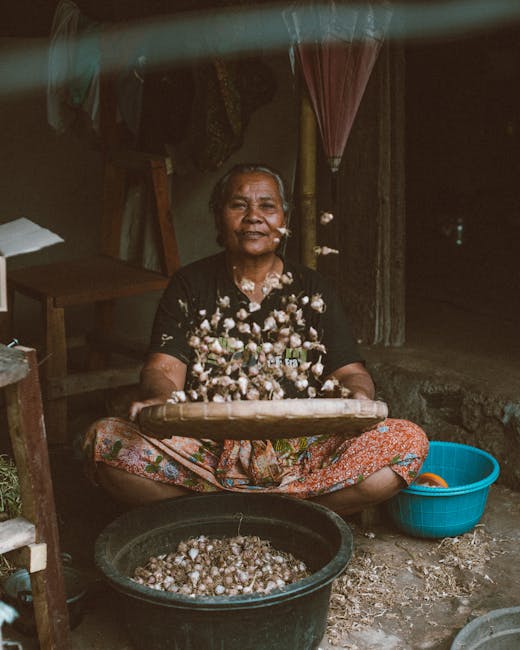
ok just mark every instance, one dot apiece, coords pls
pixel 99 280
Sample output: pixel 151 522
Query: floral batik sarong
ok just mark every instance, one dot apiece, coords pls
pixel 303 467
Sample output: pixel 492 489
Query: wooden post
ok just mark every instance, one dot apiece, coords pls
pixel 168 248
pixel 55 367
pixel 307 163
pixel 27 431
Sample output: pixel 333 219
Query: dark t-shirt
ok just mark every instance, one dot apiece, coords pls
pixel 198 286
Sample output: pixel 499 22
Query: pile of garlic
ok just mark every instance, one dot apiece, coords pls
pixel 231 566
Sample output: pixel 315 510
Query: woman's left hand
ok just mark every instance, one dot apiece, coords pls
pixel 357 379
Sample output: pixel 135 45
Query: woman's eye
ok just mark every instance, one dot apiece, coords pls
pixel 238 205
pixel 268 206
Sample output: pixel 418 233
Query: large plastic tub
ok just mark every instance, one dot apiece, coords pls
pixel 290 619
pixel 436 512
pixel 496 630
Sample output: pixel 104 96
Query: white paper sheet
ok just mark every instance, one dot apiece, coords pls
pixel 24 236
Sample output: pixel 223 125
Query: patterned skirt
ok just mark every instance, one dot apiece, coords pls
pixel 303 467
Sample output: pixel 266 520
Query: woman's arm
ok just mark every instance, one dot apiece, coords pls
pixel 161 375
pixel 357 379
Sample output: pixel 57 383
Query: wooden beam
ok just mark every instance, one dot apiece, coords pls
pixel 15 533
pixel 29 444
pixel 32 557
pixel 168 248
pixel 82 382
pixel 307 163
pixel 55 367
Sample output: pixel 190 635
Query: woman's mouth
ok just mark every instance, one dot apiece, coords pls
pixel 251 234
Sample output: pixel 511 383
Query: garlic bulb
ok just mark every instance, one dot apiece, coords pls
pixel 229 323
pixel 326 217
pixel 317 369
pixel 317 303
pixel 325 250
pixel 247 285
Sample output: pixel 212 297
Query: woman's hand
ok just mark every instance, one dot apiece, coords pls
pixel 359 394
pixel 137 407
pixel 161 375
pixel 357 379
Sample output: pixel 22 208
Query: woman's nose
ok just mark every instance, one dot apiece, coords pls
pixel 253 214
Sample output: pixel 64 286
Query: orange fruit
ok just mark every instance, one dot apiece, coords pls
pixel 430 479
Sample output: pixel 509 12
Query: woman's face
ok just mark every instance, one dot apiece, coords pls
pixel 251 215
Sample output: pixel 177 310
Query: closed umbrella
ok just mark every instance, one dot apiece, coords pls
pixel 337 45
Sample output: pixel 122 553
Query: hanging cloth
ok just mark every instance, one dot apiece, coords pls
pixel 73 68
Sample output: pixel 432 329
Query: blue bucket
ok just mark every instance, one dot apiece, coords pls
pixel 424 511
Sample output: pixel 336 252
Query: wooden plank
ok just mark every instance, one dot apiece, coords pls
pixel 15 533
pixel 29 444
pixel 85 280
pixel 83 382
pixel 13 365
pixel 32 557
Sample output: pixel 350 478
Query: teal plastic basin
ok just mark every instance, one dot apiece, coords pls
pixel 423 511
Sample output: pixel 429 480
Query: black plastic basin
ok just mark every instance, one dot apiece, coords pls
pixel 290 619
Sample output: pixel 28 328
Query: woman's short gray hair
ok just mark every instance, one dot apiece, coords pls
pixel 219 193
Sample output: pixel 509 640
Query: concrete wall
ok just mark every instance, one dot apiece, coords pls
pixel 56 180
pixel 460 400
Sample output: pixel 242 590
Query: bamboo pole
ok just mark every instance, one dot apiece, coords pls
pixel 307 165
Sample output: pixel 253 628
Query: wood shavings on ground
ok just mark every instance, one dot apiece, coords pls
pixel 385 579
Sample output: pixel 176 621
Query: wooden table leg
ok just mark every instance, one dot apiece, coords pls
pixel 55 367
pixel 27 431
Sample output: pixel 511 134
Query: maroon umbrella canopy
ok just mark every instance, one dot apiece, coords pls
pixel 337 45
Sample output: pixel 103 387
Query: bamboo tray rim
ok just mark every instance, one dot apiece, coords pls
pixel 262 418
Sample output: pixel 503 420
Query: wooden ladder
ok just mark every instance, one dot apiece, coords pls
pixel 33 538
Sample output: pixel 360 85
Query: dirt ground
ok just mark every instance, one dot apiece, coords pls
pixel 397 593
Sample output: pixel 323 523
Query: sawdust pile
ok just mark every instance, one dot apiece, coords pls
pixel 379 583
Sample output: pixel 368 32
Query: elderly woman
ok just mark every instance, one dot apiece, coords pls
pixel 251 279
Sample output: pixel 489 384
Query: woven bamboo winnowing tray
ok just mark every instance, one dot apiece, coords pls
pixel 254 420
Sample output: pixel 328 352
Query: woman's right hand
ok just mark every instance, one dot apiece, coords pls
pixel 137 407
pixel 160 376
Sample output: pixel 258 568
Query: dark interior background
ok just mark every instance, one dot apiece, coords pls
pixel 462 171
pixel 463 178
